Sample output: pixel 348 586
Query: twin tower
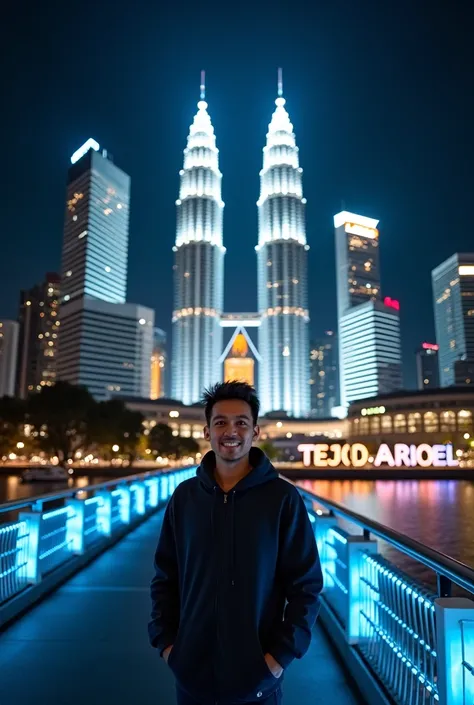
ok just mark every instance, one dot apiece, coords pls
pixel 282 318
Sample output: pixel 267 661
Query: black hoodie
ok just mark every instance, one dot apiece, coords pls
pixel 225 565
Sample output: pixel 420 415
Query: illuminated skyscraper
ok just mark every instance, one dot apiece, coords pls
pixel 199 264
pixel 427 370
pixel 95 246
pixel 357 260
pixel 453 294
pixel 369 328
pixel 39 331
pixel 158 365
pixel 324 376
pixel 282 272
pixel 104 343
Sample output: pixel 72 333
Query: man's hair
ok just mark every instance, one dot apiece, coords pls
pixel 230 390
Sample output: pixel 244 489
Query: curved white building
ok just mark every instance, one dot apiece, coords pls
pixel 282 272
pixel 199 265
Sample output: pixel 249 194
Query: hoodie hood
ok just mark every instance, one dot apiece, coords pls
pixel 262 471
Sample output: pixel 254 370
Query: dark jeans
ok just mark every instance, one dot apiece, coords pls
pixel 274 699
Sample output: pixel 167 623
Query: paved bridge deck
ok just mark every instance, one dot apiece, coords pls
pixel 87 642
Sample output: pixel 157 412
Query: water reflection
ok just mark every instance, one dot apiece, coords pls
pixel 439 513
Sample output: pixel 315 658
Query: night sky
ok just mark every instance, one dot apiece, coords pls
pixel 381 95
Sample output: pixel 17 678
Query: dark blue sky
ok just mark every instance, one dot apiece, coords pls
pixel 381 95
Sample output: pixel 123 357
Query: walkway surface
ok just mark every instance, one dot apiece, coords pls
pixel 88 643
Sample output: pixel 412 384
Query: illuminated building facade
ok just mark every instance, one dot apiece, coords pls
pixel 104 343
pixel 357 260
pixel 199 265
pixel 427 373
pixel 95 245
pixel 239 365
pixel 324 376
pixel 369 328
pixel 282 272
pixel 107 347
pixel 369 339
pixel 158 365
pixel 38 336
pixel 8 356
pixel 425 416
pixel 453 298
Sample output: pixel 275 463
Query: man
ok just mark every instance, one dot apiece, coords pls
pixel 235 545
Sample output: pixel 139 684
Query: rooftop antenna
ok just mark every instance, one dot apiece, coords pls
pixel 280 82
pixel 203 85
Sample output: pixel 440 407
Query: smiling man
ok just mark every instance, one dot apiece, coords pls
pixel 237 575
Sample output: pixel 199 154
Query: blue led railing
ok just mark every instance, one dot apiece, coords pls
pixel 417 644
pixel 41 539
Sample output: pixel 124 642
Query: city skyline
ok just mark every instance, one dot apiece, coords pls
pixel 395 148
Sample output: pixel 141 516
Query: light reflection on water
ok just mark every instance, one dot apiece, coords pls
pixel 439 513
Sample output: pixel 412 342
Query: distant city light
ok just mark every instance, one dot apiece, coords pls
pixel 344 217
pixel 466 270
pixel 115 448
pixel 90 144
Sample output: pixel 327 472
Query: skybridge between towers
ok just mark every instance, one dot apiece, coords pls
pixel 75 570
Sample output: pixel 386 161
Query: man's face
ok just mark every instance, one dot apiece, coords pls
pixel 231 431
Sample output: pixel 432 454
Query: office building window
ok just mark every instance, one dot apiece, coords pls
pixel 448 421
pixel 400 423
pixel 431 422
pixel 414 422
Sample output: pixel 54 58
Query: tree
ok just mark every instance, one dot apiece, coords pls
pixel 185 447
pixel 60 416
pixel 161 439
pixel 111 423
pixel 269 449
pixel 12 419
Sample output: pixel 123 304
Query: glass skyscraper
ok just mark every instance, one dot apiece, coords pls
pixel 453 299
pixel 104 343
pixel 427 369
pixel 199 265
pixel 357 260
pixel 282 272
pixel 38 339
pixel 324 381
pixel 369 327
pixel 95 246
pixel 370 340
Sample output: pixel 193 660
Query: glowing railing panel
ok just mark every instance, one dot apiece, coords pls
pixel 14 540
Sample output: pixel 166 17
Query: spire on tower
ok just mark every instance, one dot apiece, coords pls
pixel 280 82
pixel 203 85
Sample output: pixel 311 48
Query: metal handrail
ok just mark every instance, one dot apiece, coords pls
pixel 15 504
pixel 443 565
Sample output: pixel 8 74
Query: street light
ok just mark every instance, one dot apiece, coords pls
pixel 466 436
pixel 20 444
pixel 115 448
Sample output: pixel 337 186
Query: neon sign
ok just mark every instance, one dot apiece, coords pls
pixel 430 346
pixel 90 144
pixel 392 303
pixel 357 455
pixel 372 410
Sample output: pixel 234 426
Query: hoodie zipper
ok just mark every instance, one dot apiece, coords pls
pixel 225 499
